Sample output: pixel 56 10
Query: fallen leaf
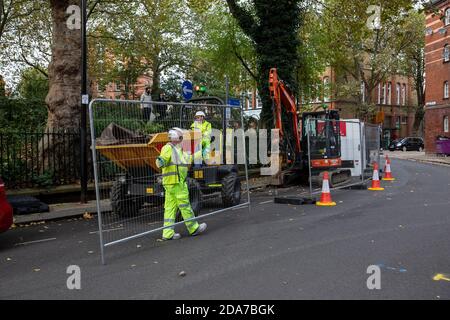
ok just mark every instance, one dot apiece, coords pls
pixel 87 216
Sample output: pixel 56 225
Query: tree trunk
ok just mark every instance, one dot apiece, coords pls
pixel 275 34
pixel 63 98
pixel 420 111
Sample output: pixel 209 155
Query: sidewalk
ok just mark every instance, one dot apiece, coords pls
pixel 69 210
pixel 418 156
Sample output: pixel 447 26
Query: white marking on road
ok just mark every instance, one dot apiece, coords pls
pixel 107 230
pixel 36 241
pixel 264 202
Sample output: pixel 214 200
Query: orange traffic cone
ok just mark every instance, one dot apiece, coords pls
pixel 375 179
pixel 325 197
pixel 387 172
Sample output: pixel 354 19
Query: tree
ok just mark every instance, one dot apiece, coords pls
pixel 222 50
pixel 63 99
pixel 33 85
pixel 359 54
pixel 414 62
pixel 273 27
pixel 139 37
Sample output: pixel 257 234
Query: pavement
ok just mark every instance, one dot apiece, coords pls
pixel 274 251
pixel 419 156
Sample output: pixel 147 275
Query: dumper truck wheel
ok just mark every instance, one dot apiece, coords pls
pixel 231 190
pixel 121 203
pixel 195 198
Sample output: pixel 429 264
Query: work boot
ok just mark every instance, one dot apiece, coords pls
pixel 201 228
pixel 175 236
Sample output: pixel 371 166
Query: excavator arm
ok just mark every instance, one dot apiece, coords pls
pixel 283 98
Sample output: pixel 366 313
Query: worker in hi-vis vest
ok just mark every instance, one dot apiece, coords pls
pixel 174 163
pixel 205 128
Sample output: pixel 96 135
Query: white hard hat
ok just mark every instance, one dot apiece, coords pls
pixel 200 113
pixel 175 134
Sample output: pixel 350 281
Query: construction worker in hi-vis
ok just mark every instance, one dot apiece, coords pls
pixel 174 163
pixel 204 127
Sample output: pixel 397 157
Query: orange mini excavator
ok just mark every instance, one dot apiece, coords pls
pixel 321 150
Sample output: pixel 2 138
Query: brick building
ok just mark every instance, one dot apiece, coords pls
pixel 395 98
pixel 437 70
pixel 116 90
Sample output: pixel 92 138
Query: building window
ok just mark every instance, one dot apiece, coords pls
pixel 404 120
pixel 447 16
pixel 404 94
pixel 397 122
pixel 446 53
pixel 379 93
pixel 397 93
pixel 446 124
pixel 389 94
pixel 326 89
pixel 363 91
pixel 446 90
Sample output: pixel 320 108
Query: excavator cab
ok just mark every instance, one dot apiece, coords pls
pixel 323 141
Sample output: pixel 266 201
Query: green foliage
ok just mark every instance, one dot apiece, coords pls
pixel 33 85
pixel 151 127
pixel 45 179
pixel 359 54
pixel 22 114
pixel 273 27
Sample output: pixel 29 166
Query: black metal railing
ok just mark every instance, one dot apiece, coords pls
pixel 39 159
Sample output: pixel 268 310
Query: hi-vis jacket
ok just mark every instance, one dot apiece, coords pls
pixel 174 163
pixel 204 127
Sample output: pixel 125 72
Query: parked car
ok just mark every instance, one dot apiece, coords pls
pixel 407 144
pixel 6 211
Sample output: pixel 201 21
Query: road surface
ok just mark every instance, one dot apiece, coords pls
pixel 274 252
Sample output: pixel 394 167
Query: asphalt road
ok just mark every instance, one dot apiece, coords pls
pixel 275 252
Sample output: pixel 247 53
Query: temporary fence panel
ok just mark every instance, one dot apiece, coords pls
pixel 132 191
pixel 336 146
pixel 371 143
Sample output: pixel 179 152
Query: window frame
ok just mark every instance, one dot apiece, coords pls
pixel 445 124
pixel 398 91
pixel 326 89
pixel 446 54
pixel 446 92
pixel 447 17
pixel 404 94
pixel 389 93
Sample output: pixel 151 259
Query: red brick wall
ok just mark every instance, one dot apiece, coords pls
pixel 434 126
pixel 437 72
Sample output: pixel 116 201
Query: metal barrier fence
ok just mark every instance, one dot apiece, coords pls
pixel 40 158
pixel 139 175
pixel 347 149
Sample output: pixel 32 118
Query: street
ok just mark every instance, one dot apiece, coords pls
pixel 276 251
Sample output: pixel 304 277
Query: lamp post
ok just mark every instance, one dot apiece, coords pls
pixel 84 105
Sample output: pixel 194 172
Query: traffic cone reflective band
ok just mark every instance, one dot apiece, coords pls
pixel 375 179
pixel 325 197
pixel 387 173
